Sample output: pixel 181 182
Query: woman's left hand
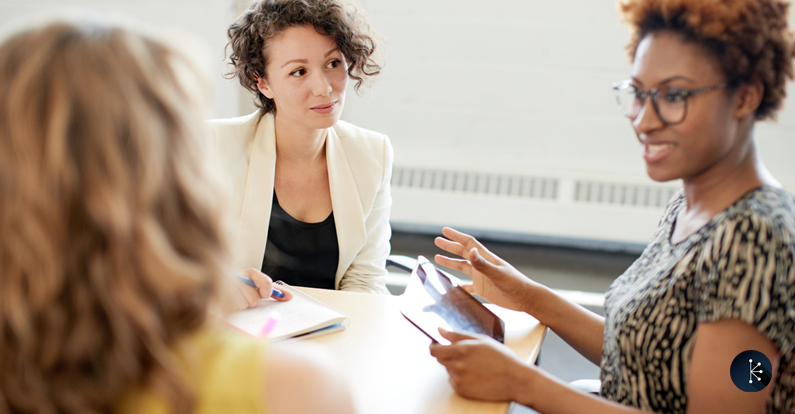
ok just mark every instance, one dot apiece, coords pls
pixel 480 367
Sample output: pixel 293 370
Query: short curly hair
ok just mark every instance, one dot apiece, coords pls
pixel 265 19
pixel 750 38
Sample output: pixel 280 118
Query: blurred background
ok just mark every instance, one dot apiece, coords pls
pixel 503 124
pixel 501 114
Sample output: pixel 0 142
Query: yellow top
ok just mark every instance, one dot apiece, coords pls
pixel 225 369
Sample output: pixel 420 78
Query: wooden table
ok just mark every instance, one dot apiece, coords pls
pixel 387 361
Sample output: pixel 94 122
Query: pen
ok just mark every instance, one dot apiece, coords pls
pixel 275 293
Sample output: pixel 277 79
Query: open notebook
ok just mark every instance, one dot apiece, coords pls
pixel 303 316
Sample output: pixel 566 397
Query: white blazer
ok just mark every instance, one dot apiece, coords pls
pixel 359 170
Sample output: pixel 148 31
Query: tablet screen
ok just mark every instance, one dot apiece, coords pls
pixel 432 300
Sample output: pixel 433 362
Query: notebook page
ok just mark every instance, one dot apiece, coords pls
pixel 299 315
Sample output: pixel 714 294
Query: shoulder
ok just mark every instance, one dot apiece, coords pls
pixel 765 211
pixel 758 228
pixel 353 136
pixel 776 206
pixel 227 127
pixel 236 121
pixel 226 367
pixel 225 355
pixel 364 147
pixel 748 263
pixel 353 132
pixel 308 381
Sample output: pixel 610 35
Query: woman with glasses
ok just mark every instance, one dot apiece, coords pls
pixel 704 320
pixel 310 192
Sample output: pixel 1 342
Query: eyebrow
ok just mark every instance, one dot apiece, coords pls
pixel 334 49
pixel 667 80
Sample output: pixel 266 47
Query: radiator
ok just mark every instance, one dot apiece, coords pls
pixel 568 210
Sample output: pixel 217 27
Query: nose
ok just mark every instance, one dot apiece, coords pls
pixel 647 119
pixel 321 85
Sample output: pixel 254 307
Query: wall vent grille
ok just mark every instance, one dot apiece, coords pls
pixel 520 186
pixel 622 194
pixel 567 209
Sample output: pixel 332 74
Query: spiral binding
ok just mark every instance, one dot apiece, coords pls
pixel 284 286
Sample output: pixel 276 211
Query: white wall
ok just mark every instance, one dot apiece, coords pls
pixel 520 86
pixel 509 85
pixel 512 87
pixel 205 21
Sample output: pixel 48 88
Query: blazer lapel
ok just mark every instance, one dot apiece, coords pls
pixel 345 201
pixel 258 196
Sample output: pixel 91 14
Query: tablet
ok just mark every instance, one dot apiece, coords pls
pixel 433 300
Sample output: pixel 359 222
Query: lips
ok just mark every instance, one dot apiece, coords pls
pixel 325 108
pixel 656 152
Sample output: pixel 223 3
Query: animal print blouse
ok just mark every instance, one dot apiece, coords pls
pixel 739 265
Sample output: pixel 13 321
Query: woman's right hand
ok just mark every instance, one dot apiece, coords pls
pixel 250 297
pixel 493 278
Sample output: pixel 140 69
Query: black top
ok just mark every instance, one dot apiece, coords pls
pixel 298 253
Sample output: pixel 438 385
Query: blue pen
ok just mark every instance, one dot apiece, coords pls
pixel 275 293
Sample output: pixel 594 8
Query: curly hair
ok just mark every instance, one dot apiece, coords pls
pixel 750 38
pixel 112 246
pixel 264 20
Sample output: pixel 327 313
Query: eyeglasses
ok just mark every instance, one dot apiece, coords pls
pixel 669 102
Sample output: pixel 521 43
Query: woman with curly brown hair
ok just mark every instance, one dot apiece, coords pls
pixel 311 192
pixel 113 246
pixel 704 320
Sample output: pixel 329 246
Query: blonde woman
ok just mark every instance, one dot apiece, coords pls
pixel 112 248
pixel 311 193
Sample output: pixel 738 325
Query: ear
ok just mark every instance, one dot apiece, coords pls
pixel 749 97
pixel 263 87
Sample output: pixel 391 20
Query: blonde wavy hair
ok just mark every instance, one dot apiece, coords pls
pixel 112 246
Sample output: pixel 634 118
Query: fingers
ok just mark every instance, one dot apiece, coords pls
pixel 454 234
pixel 474 263
pixel 449 246
pixel 265 285
pixel 248 297
pixel 459 356
pixel 460 243
pixel 455 241
pixel 263 282
pixel 437 350
pixel 446 354
pixel 457 264
pixel 455 336
pixel 480 264
pixel 287 295
pixel 454 351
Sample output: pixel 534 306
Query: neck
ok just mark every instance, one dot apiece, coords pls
pixel 295 144
pixel 719 186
